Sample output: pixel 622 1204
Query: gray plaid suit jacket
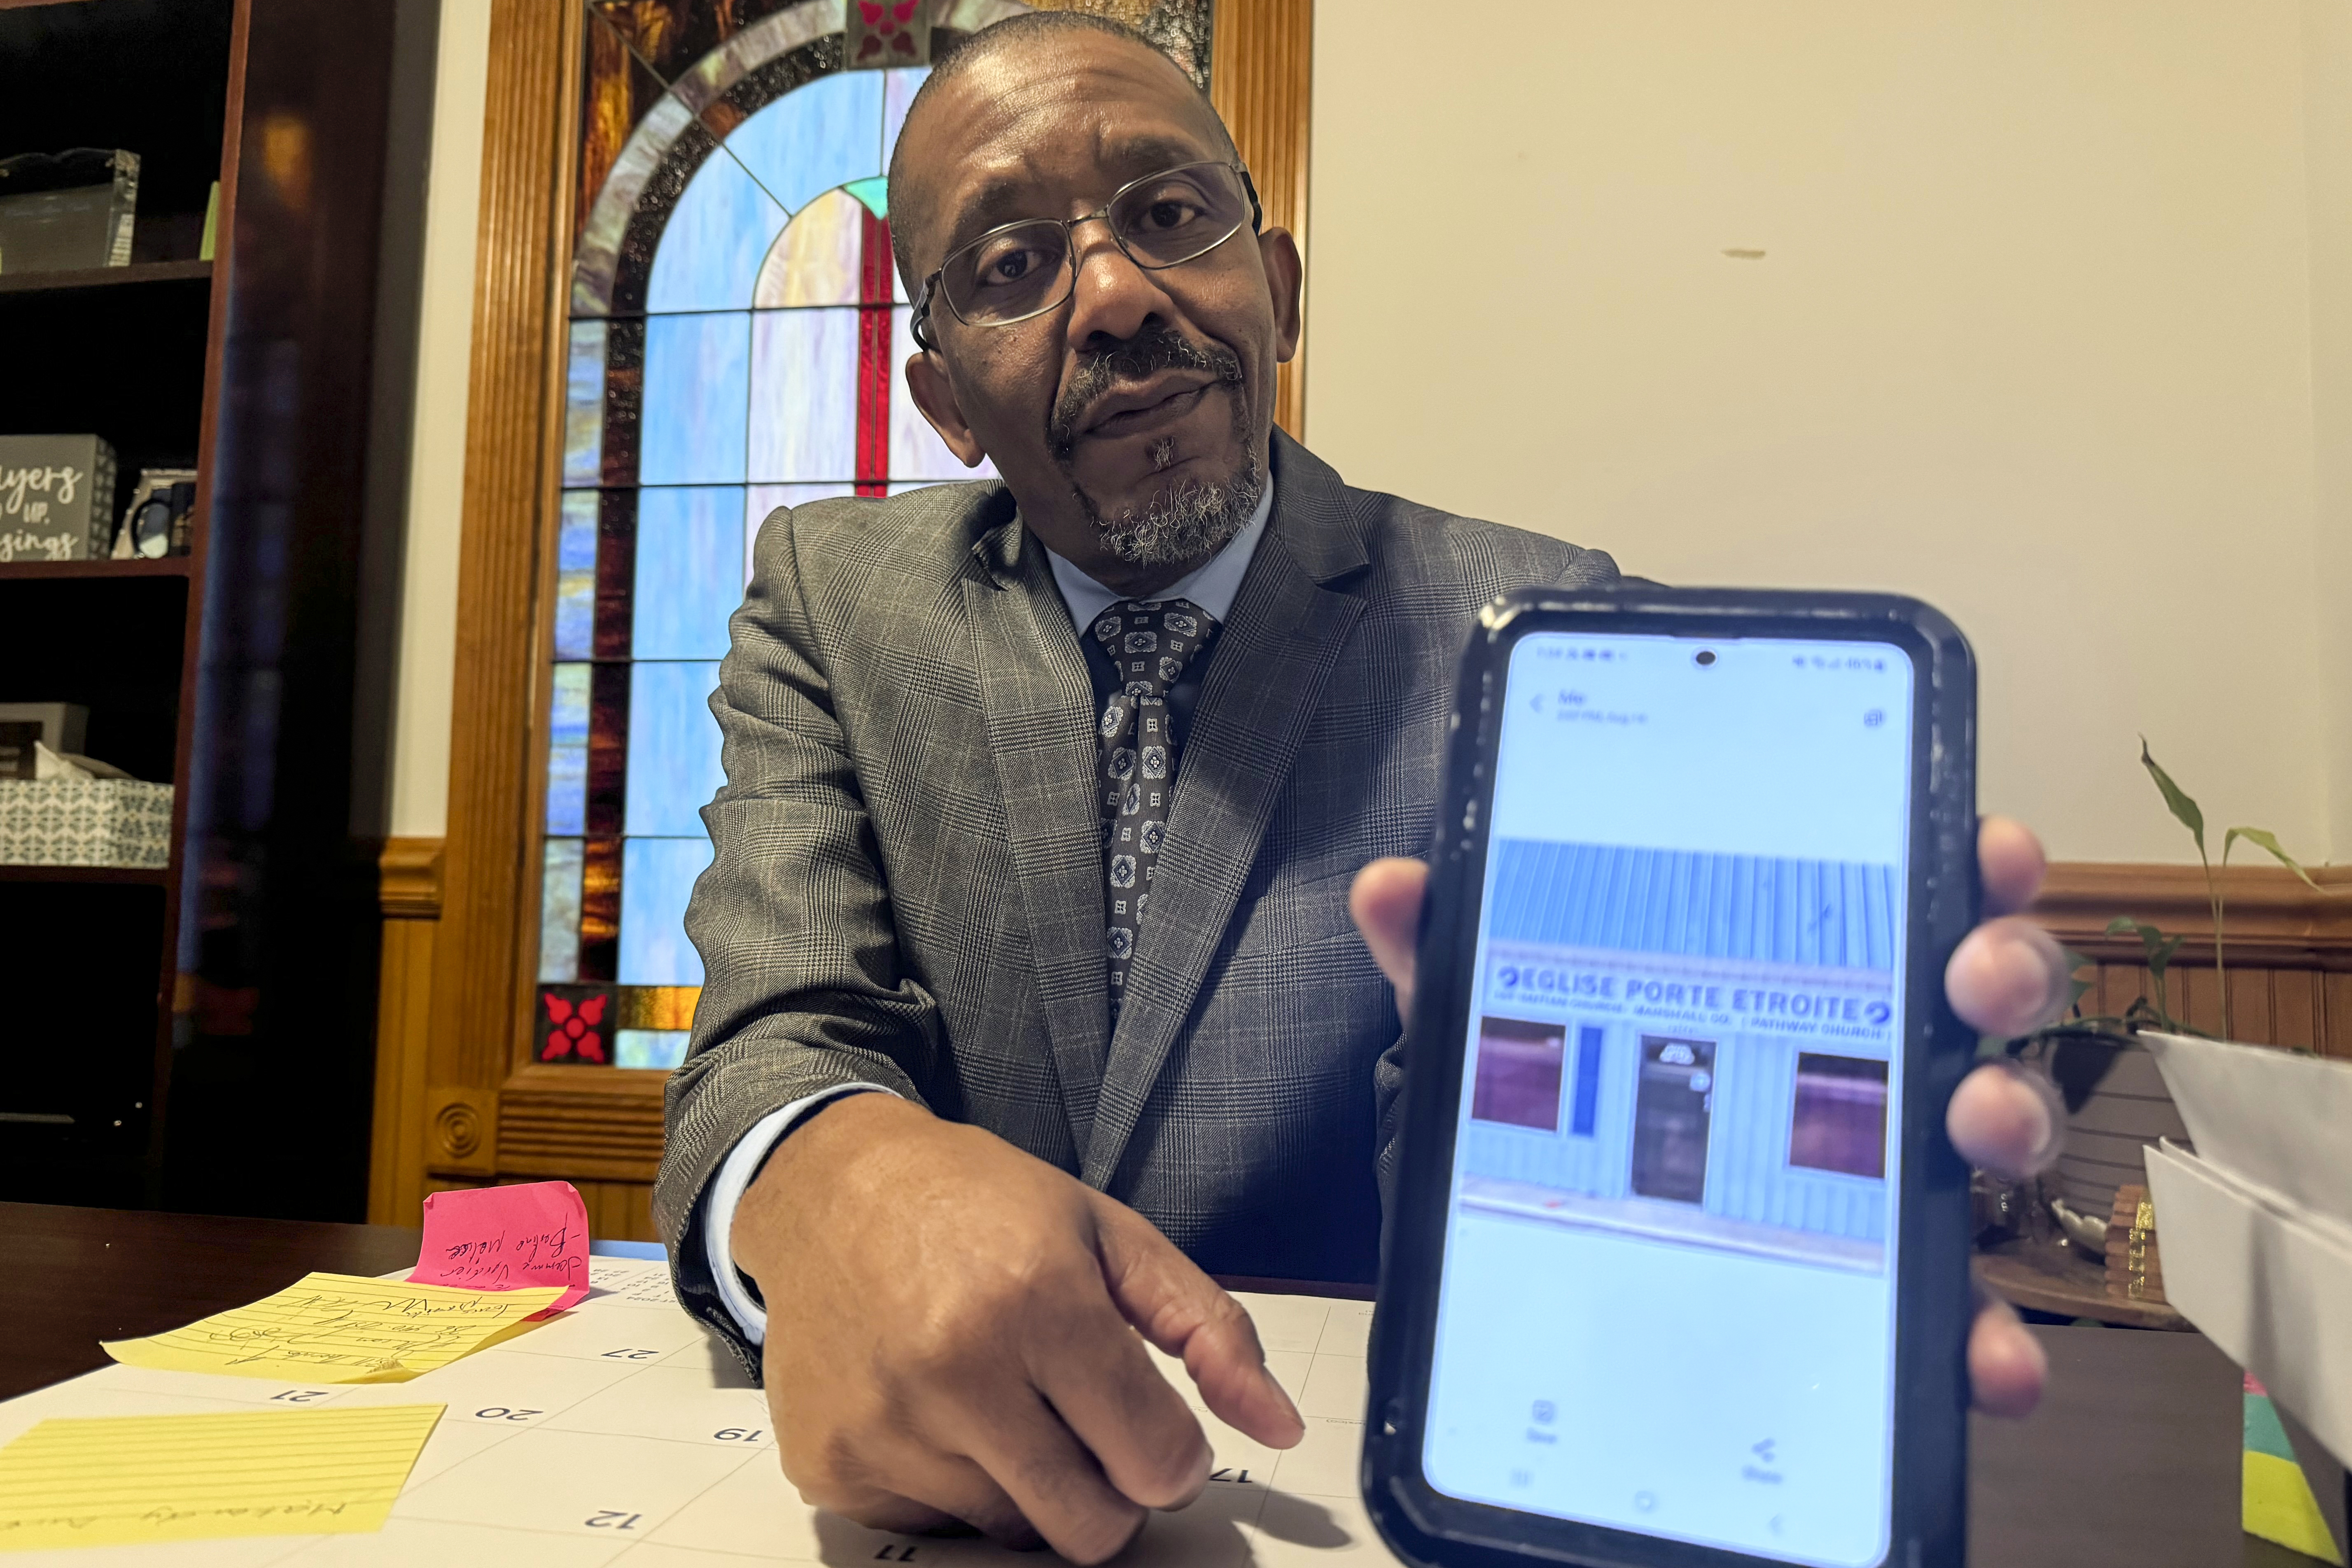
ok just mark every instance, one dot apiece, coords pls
pixel 907 887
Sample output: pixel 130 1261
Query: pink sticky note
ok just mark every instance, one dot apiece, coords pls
pixel 503 1238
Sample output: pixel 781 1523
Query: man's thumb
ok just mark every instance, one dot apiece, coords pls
pixel 1385 900
pixel 1186 1314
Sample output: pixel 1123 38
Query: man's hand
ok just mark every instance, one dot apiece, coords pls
pixel 952 1336
pixel 2008 976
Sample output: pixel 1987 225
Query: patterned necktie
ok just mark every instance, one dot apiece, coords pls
pixel 1150 643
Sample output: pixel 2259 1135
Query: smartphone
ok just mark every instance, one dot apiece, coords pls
pixel 1677 1270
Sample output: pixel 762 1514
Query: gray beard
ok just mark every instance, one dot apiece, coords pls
pixel 1191 522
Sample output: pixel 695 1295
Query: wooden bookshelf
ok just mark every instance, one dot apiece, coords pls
pixel 182 1036
pixel 106 276
pixel 60 571
pixel 125 875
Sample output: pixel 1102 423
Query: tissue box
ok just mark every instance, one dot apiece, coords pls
pixel 85 822
pixel 56 498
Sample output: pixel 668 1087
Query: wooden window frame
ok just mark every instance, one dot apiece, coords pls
pixel 482 1108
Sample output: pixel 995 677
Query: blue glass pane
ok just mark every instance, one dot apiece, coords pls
pixel 711 246
pixel 656 879
pixel 762 500
pixel 697 370
pixel 584 405
pixel 689 545
pixel 899 89
pixel 567 751
pixel 804 395
pixel 826 134
pixel 558 912
pixel 673 749
pixel 917 453
pixel 575 577
pixel 663 1049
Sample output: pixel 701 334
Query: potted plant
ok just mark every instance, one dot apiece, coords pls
pixel 2117 1101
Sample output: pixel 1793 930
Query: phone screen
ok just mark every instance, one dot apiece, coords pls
pixel 1668 1297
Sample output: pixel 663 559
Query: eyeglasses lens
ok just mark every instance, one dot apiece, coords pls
pixel 1177 216
pixel 1025 269
pixel 1012 273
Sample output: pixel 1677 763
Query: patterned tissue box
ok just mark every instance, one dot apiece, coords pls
pixel 85 822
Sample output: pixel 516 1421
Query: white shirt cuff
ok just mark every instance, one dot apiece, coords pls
pixel 735 1174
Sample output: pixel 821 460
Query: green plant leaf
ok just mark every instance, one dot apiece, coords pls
pixel 2269 841
pixel 2158 947
pixel 2184 810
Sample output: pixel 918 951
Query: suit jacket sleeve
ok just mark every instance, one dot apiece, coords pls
pixel 804 989
pixel 1581 569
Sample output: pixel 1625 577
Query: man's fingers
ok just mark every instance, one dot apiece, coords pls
pixel 1052 1481
pixel 1102 1383
pixel 2008 977
pixel 2006 1364
pixel 877 1509
pixel 2010 863
pixel 1385 900
pixel 2007 1121
pixel 1184 1314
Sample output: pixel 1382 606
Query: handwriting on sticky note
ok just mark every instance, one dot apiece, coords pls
pixel 120 1481
pixel 498 1238
pixel 333 1328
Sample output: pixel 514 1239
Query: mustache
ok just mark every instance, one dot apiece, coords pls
pixel 1154 349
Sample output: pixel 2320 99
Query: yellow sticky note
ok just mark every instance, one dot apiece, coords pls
pixel 334 1328
pixel 119 1481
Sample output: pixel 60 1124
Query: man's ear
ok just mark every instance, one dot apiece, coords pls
pixel 927 379
pixel 1285 276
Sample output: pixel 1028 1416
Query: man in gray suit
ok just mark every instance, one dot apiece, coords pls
pixel 1032 989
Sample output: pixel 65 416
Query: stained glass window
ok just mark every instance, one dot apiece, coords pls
pixel 735 333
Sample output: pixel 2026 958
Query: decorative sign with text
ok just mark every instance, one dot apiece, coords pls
pixel 56 498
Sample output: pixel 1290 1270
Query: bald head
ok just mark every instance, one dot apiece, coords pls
pixel 1002 56
pixel 1129 411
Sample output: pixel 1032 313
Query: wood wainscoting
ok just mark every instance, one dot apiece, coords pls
pixel 606 1144
pixel 2287 950
pixel 2290 977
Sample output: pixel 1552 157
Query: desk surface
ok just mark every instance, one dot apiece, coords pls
pixel 2133 1459
pixel 78 1276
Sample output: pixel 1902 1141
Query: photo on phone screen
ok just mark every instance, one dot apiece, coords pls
pixel 1668 1290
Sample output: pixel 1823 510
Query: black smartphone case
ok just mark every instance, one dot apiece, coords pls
pixel 1934 1302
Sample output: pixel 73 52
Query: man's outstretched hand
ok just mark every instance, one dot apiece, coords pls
pixel 952 1336
pixel 2007 977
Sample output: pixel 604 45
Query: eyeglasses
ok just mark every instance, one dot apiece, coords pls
pixel 1026 268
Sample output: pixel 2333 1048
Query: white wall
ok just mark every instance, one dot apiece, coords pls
pixel 2054 328
pixel 2033 337
pixel 2327 142
pixel 427 646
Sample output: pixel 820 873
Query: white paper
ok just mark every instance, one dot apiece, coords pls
pixel 2280 1121
pixel 2273 1290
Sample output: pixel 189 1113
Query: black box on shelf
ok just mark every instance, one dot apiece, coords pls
pixel 56 498
pixel 60 212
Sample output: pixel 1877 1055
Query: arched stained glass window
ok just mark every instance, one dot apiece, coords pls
pixel 736 328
